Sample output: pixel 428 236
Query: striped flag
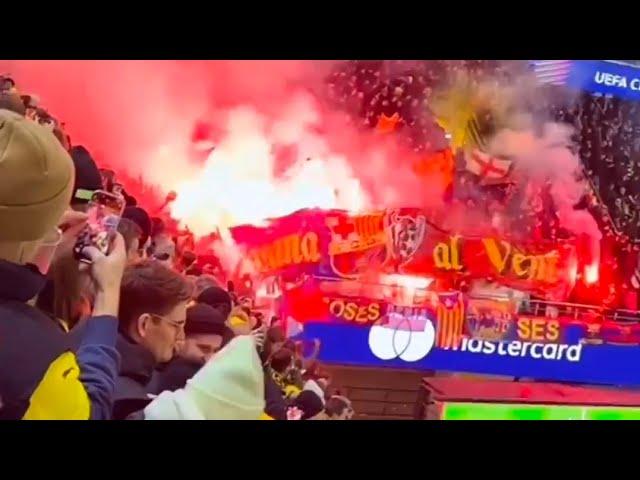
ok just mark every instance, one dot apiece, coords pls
pixel 450 316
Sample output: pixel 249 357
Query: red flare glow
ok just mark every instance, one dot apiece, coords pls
pixel 591 274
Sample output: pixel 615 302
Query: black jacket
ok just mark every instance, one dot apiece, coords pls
pixel 173 375
pixel 132 385
pixel 29 339
pixel 275 403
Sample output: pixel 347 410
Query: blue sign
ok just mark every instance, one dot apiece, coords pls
pixel 573 361
pixel 598 76
pixel 606 78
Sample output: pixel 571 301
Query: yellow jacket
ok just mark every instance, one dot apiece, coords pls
pixel 62 394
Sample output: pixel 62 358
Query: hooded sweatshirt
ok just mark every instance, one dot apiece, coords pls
pixel 230 386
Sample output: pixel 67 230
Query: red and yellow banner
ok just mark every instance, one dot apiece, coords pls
pixel 337 245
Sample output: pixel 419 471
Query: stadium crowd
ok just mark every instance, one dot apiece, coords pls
pixel 148 329
pixel 138 330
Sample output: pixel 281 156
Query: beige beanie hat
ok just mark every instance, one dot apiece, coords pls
pixel 229 387
pixel 36 180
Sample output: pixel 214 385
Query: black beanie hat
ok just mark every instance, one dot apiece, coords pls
pixel 202 318
pixel 88 177
pixel 217 298
pixel 141 218
pixel 310 404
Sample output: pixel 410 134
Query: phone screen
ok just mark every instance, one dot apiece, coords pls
pixel 104 212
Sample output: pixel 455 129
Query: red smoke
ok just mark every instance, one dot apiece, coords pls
pixel 141 117
pixel 265 118
pixel 124 110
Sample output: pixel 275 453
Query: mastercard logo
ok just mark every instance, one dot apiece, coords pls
pixel 408 338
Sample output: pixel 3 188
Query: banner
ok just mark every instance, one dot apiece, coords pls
pixel 334 244
pixel 598 76
pixel 605 364
pixel 457 334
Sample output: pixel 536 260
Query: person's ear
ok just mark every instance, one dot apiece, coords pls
pixel 143 324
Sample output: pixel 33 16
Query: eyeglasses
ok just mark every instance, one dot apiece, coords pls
pixel 174 324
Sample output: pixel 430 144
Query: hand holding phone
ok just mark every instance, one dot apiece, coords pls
pixel 106 272
pixel 103 216
pixel 106 268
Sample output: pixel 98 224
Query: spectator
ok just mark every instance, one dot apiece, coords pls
pixel 164 250
pixel 9 96
pixel 46 378
pixel 276 407
pixel 203 282
pixel 316 380
pixel 275 404
pixel 87 179
pixel 217 298
pixel 229 387
pixel 67 295
pixel 337 408
pixel 276 339
pixel 280 368
pixel 153 308
pixel 187 259
pixel 131 233
pixel 205 334
pixel 141 218
pixel 309 404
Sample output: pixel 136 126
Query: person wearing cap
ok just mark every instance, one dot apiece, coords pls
pixel 45 373
pixel 308 404
pixel 205 334
pixel 87 178
pixel 67 295
pixel 218 298
pixel 230 386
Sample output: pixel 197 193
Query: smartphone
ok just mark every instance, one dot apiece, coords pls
pixel 104 212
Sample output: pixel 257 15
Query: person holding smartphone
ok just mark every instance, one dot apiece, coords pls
pixel 67 296
pixel 47 374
